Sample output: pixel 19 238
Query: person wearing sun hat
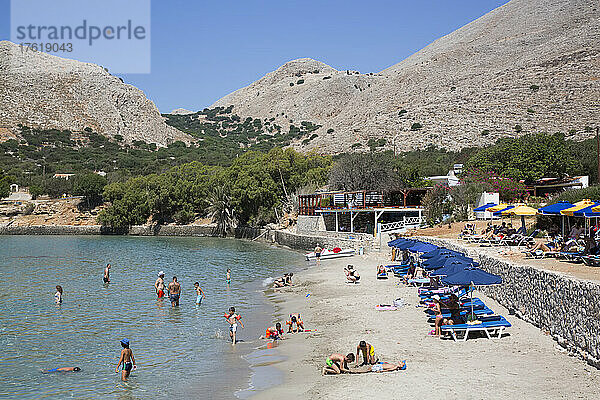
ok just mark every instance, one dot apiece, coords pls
pixel 126 360
pixel 159 285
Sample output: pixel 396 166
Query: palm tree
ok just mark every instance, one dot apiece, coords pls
pixel 220 210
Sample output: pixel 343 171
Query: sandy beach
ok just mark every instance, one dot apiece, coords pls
pixel 527 363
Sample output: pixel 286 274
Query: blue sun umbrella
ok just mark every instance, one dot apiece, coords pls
pixel 450 268
pixel 437 252
pixel 422 247
pixel 484 207
pixel 472 276
pixel 395 242
pixel 438 262
pixel 405 245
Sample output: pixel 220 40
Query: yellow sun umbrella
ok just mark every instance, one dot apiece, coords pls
pixel 499 207
pixel 596 209
pixel 520 209
pixel 577 206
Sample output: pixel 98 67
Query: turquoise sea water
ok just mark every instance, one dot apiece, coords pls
pixel 181 352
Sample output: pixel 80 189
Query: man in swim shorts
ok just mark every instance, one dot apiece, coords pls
pixel 159 285
pixel 233 319
pixel 126 359
pixel 62 369
pixel 368 352
pixel 199 293
pixel 174 292
pixel 337 363
pixel 318 250
pixel 106 277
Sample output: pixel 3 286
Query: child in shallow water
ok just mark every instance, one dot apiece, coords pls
pixel 126 359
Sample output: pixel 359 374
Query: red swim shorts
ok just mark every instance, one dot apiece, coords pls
pixel 161 294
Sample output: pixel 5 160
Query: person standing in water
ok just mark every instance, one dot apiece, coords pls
pixel 58 295
pixel 199 293
pixel 318 251
pixel 159 285
pixel 228 276
pixel 126 359
pixel 174 292
pixel 233 319
pixel 106 277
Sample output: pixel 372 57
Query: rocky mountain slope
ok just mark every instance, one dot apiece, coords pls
pixel 48 92
pixel 528 66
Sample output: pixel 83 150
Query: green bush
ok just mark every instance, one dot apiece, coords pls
pixel 330 130
pixel 416 126
pixel 300 81
pixel 575 195
pixel 184 217
pixel 518 128
pixel 35 191
pixel 535 88
pixel 530 110
pixel 485 132
pixel 402 112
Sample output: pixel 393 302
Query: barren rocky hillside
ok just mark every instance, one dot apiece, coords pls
pixel 530 65
pixel 48 92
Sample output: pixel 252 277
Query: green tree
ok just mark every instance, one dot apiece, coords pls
pixel 528 158
pixel 220 210
pixel 5 182
pixel 90 186
pixel 365 171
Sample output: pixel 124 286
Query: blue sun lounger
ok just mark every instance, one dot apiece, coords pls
pixel 482 312
pixel 490 327
pixel 419 281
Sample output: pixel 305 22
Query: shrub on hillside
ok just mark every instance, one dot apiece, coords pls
pixel 416 126
pixel 575 195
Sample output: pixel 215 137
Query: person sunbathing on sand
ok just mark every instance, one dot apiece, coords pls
pixel 337 363
pixel 380 367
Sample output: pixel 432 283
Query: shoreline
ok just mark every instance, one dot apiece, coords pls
pixel 527 363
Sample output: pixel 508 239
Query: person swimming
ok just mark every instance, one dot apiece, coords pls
pixel 228 276
pixel 62 369
pixel 199 293
pixel 58 295
pixel 106 277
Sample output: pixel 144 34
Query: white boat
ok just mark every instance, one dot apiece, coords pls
pixel 329 254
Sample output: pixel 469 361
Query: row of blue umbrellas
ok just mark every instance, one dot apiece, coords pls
pixel 456 268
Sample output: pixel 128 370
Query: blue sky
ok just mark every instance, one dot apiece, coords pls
pixel 203 50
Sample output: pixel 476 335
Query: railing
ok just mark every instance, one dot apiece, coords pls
pixel 399 225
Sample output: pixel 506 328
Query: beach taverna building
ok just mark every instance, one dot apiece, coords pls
pixel 360 211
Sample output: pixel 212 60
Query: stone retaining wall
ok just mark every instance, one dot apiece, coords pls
pixel 54 230
pixel 309 242
pixel 284 238
pixel 566 307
